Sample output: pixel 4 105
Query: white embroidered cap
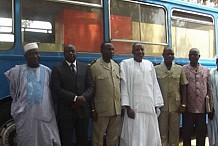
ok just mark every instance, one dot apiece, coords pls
pixel 30 46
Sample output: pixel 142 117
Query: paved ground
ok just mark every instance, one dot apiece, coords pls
pixel 194 143
pixel 180 144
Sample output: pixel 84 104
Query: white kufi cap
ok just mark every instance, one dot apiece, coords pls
pixel 30 46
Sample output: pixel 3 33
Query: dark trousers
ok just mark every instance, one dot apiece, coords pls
pixel 191 121
pixel 66 130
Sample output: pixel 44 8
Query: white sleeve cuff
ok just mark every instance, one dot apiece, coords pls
pixel 75 98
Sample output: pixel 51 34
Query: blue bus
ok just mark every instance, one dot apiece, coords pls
pixel 86 23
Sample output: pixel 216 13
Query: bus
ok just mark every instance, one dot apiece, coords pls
pixel 87 23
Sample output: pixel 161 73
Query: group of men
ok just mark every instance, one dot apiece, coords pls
pixel 151 99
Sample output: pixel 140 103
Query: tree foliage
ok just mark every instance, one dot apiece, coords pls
pixel 212 3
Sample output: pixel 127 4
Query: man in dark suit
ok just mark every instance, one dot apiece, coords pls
pixel 72 86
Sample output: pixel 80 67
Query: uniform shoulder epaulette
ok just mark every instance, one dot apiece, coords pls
pixel 116 62
pixel 92 62
pixel 155 64
pixel 179 64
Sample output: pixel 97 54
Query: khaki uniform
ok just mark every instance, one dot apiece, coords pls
pixel 107 102
pixel 170 82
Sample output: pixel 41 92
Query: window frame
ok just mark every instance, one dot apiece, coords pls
pixel 53 46
pixel 78 3
pixel 11 26
pixel 142 42
pixel 195 20
pixel 190 19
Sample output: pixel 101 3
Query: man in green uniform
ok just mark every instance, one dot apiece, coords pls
pixel 171 78
pixel 106 99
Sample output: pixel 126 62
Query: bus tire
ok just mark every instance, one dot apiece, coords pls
pixel 8 135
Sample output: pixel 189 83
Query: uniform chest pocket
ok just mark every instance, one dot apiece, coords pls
pixel 161 76
pixel 176 78
pixel 102 77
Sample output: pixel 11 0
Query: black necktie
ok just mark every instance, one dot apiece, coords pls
pixel 72 66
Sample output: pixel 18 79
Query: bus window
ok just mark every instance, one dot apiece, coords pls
pixel 137 22
pixel 54 23
pixel 192 30
pixel 79 1
pixel 6 33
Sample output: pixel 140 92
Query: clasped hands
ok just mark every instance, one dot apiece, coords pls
pixel 80 100
pixel 131 113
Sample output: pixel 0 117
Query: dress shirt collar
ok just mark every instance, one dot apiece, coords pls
pixel 71 63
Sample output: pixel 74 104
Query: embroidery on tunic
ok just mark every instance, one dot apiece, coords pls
pixel 35 87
